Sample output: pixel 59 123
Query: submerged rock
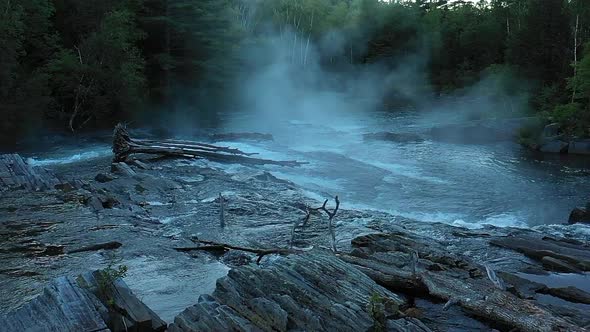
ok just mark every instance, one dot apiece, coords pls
pixel 394 137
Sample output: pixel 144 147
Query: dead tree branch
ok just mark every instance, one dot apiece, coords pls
pixel 331 215
pixel 211 246
pixel 221 210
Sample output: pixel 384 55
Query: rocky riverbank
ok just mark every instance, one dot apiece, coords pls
pixel 389 273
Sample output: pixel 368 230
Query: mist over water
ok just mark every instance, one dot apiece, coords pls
pixel 319 116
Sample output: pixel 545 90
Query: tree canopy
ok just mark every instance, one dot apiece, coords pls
pixel 79 64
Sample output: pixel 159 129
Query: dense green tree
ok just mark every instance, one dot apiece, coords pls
pixel 102 74
pixel 95 62
pixel 28 42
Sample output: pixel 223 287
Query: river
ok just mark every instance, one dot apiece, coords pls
pixel 457 183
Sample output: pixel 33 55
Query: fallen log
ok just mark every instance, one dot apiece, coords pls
pixel 211 246
pixel 124 145
pixel 101 246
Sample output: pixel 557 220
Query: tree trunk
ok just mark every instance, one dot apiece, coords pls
pixel 575 57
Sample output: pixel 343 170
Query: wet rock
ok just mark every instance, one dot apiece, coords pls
pixel 123 169
pixel 94 301
pixel 570 293
pixel 103 177
pixel 52 250
pixel 558 265
pixel 554 146
pixel 126 311
pixel 65 187
pixel 108 200
pixel 94 203
pixel 266 176
pixel 236 258
pixel 456 285
pixel 579 147
pixel 139 164
pixel 101 246
pixel 15 173
pixel 406 325
pixel 63 306
pixel 393 137
pixel 579 215
pixel 555 253
pixel 551 130
pixel 313 292
pixel 521 287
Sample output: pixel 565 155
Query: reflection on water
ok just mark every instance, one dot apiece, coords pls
pixel 170 287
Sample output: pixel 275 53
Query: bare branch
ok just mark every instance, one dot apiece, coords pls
pixel 260 253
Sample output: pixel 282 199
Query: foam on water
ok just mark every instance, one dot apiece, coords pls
pixel 73 158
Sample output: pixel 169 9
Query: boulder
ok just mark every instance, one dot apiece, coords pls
pixel 554 146
pixel 579 215
pixel 579 147
pixel 103 177
pixel 551 130
pixel 94 203
pixel 123 169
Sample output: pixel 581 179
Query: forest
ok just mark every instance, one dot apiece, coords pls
pixel 76 65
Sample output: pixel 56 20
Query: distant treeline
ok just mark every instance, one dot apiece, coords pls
pixel 79 64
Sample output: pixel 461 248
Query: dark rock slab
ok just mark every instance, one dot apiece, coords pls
pixel 122 303
pixel 406 325
pixel 63 306
pixel 579 147
pixel 521 287
pixel 122 169
pixel 573 254
pixel 100 246
pixel 554 264
pixel 87 303
pixel 554 146
pixel 16 173
pixel 579 215
pixel 308 292
pixel 570 293
pixel 457 283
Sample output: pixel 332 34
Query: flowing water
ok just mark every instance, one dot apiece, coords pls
pixel 462 184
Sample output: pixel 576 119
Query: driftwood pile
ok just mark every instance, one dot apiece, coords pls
pixel 124 145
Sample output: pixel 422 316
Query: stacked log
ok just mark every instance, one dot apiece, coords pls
pixel 124 145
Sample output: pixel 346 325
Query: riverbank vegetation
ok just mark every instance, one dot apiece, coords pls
pixel 77 64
